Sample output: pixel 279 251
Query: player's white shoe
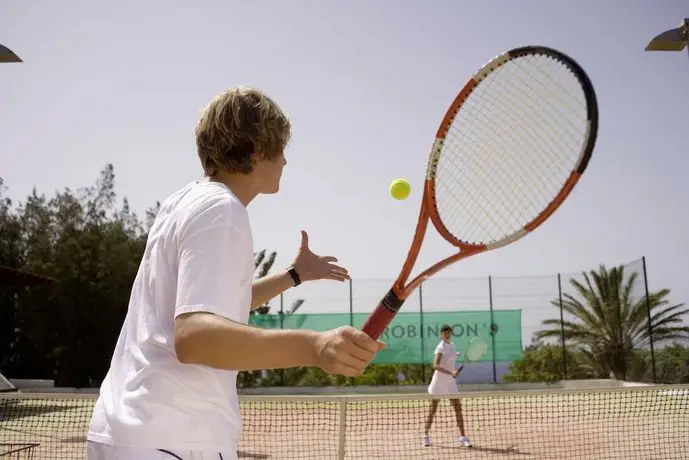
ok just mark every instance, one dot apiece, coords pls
pixel 426 440
pixel 464 441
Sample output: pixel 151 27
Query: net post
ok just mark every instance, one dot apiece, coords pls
pixel 492 322
pixel 341 438
pixel 282 326
pixel 618 312
pixel 562 324
pixel 423 360
pixel 351 303
pixel 650 324
pixel 282 310
pixel 351 315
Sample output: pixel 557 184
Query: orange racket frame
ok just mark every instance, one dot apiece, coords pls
pixel 391 303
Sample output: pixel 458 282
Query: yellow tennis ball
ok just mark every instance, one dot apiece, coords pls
pixel 478 427
pixel 400 189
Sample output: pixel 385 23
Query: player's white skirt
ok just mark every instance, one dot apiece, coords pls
pixel 441 385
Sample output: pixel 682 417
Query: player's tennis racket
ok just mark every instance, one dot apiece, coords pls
pixel 474 351
pixel 510 149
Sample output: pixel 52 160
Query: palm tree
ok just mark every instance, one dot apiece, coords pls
pixel 608 324
pixel 262 266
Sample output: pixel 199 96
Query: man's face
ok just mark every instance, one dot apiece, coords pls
pixel 268 173
pixel 446 336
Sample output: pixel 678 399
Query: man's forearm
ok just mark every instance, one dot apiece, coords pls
pixel 270 286
pixel 210 340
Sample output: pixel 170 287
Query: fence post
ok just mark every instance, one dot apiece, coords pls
pixel 351 315
pixel 421 330
pixel 342 435
pixel 351 304
pixel 562 324
pixel 282 324
pixel 492 325
pixel 650 324
pixel 282 311
pixel 619 334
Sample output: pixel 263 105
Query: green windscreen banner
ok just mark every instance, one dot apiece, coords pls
pixel 411 338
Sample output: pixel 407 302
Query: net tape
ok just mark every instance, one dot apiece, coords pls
pixel 647 422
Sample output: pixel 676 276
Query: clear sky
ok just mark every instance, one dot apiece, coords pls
pixel 365 84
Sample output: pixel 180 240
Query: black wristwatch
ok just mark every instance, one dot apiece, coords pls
pixel 295 276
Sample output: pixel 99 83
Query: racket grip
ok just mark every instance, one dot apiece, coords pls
pixel 382 316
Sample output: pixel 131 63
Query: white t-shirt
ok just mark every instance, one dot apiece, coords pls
pixel 447 361
pixel 198 257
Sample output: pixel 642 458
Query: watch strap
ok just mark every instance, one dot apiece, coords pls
pixel 295 276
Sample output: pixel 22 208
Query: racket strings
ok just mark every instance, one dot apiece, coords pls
pixel 475 350
pixel 511 138
pixel 514 139
pixel 510 149
pixel 491 147
pixel 485 174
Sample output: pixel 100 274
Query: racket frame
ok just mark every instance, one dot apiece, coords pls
pixel 391 303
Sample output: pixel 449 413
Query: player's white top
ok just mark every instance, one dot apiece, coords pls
pixel 447 361
pixel 199 257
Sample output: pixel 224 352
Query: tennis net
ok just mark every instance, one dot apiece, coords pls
pixel 647 422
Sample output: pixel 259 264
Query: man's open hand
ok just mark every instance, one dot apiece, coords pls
pixel 310 266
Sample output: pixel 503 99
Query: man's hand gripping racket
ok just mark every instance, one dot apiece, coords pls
pixel 510 149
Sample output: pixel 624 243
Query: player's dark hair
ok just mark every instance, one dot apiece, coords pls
pixel 446 328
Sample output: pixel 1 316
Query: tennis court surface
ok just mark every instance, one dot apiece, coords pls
pixel 648 422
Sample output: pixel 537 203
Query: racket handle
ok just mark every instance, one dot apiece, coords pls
pixel 382 316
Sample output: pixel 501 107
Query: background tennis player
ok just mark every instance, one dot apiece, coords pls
pixel 443 383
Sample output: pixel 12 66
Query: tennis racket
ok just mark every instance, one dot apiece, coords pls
pixel 474 351
pixel 508 152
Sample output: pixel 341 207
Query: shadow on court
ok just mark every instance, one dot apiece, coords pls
pixel 511 450
pixel 243 454
pixel 73 439
pixel 507 451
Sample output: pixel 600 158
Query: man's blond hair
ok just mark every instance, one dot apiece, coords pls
pixel 237 127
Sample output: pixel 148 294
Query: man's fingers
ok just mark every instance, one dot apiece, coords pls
pixel 329 259
pixel 360 353
pixel 337 269
pixel 362 339
pixel 349 371
pixel 350 351
pixel 336 277
pixel 354 361
pixel 304 240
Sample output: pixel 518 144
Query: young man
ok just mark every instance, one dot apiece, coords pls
pixel 170 392
pixel 443 383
